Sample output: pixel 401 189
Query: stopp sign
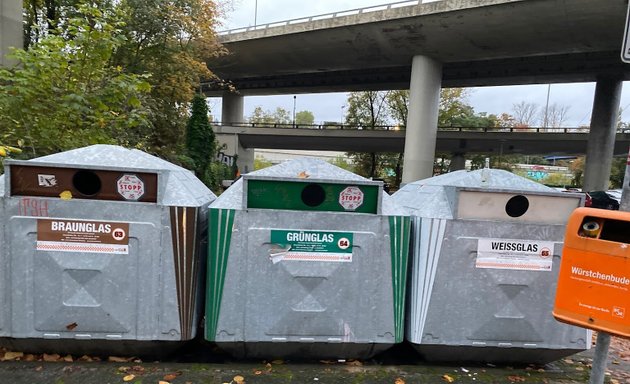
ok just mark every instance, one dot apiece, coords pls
pixel 351 198
pixel 131 187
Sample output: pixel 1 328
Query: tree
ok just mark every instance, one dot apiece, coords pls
pixel 166 42
pixel 171 41
pixel 525 114
pixel 555 115
pixel 371 109
pixel 398 104
pixel 367 110
pixel 342 162
pixel 279 116
pixel 618 172
pixel 453 107
pixel 506 120
pixel 577 168
pixel 42 17
pixel 304 118
pixel 260 163
pixel 200 141
pixel 66 94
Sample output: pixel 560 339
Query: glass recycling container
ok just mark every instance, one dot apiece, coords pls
pixel 100 243
pixel 306 260
pixel 486 255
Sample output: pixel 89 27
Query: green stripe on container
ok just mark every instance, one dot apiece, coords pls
pixel 399 229
pixel 220 233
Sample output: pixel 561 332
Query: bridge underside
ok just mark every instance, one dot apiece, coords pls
pixel 564 68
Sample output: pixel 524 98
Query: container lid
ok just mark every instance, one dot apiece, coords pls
pixel 106 172
pixel 311 185
pixel 436 197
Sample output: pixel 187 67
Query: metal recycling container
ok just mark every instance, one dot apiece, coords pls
pixel 104 243
pixel 486 256
pixel 308 260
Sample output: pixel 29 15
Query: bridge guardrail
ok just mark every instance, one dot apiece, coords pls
pixel 324 16
pixel 341 126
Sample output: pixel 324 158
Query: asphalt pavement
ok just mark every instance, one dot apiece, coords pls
pixel 400 366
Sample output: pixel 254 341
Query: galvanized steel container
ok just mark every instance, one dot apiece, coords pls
pixel 101 243
pixel 307 260
pixel 486 254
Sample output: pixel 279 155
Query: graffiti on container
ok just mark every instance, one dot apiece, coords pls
pixel 225 159
pixel 33 207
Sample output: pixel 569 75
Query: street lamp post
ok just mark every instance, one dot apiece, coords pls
pixel 294 100
pixel 255 11
pixel 546 119
pixel 342 110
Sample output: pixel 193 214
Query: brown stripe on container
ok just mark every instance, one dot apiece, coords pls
pixel 183 231
pixel 24 182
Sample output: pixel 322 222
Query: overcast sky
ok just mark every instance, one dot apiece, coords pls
pixel 329 107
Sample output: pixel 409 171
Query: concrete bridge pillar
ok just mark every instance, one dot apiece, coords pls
pixel 11 34
pixel 421 134
pixel 458 162
pixel 601 137
pixel 232 112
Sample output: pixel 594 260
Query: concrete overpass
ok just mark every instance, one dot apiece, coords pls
pixel 423 47
pixel 505 141
pixel 478 42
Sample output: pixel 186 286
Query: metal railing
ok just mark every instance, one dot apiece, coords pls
pixel 340 126
pixel 332 15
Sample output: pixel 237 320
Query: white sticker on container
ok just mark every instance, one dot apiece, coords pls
pixel 530 255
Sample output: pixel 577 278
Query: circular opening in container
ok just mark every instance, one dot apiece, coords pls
pixel 86 183
pixel 517 206
pixel 313 195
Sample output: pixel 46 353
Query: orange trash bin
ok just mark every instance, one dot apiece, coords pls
pixel 594 282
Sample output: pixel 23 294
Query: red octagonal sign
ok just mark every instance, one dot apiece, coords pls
pixel 131 187
pixel 351 198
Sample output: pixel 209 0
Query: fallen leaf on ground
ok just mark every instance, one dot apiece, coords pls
pixel 171 376
pixel 30 357
pixel 129 378
pixel 354 363
pixel 118 359
pixel 257 372
pixel 8 356
pixel 238 379
pixel 163 382
pixel 67 359
pixel 353 369
pixel 448 378
pixel 50 358
pixel 516 379
pixel 399 381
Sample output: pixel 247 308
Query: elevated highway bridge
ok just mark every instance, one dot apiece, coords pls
pixel 424 47
pixel 345 138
